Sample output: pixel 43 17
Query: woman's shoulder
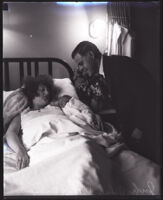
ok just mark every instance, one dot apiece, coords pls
pixel 16 98
pixel 19 95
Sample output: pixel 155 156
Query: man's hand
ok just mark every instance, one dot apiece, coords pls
pixel 98 122
pixel 22 159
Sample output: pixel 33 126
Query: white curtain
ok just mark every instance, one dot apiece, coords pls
pixel 119 39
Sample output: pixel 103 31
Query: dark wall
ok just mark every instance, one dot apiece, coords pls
pixel 146 26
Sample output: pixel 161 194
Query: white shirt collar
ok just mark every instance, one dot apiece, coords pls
pixel 101 69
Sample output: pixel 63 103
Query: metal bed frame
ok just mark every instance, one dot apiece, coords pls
pixel 21 62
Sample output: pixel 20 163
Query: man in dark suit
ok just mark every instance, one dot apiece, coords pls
pixel 133 92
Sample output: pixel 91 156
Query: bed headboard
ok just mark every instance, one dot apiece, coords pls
pixel 28 64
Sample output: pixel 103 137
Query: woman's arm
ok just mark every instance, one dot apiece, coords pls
pixel 13 105
pixel 15 144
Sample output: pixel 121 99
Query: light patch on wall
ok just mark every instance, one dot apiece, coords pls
pixel 97 28
pixel 16 43
pixel 6 36
pixel 6 18
pixel 27 35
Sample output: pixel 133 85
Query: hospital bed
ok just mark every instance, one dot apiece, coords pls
pixel 68 164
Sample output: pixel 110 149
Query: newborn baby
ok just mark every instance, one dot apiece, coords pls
pixel 82 115
pixel 77 111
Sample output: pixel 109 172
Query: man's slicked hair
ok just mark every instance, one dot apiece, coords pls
pixel 85 46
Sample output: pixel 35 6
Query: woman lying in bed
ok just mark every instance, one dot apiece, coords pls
pixel 21 98
pixel 39 93
pixel 35 94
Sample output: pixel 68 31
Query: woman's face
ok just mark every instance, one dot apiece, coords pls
pixel 42 97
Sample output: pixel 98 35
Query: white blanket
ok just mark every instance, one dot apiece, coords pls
pixel 70 164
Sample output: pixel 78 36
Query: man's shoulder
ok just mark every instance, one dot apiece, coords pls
pixel 113 63
pixel 118 62
pixel 117 58
pixel 123 66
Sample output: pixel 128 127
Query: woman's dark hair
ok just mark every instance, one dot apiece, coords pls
pixel 29 89
pixel 31 84
pixel 48 82
pixel 85 46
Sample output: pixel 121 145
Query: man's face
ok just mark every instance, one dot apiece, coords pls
pixel 87 61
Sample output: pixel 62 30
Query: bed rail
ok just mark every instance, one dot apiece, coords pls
pixel 29 61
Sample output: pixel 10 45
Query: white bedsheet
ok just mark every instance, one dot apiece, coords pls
pixel 71 166
pixel 65 164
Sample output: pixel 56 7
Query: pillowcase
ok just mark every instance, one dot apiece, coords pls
pixel 66 87
pixel 6 94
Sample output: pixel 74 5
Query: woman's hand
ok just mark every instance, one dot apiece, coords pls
pixel 22 159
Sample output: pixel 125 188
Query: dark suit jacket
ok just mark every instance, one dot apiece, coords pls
pixel 134 94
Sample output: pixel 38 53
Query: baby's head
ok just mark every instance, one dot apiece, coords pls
pixel 63 100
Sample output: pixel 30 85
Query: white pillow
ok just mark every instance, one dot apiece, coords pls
pixel 6 94
pixel 66 87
